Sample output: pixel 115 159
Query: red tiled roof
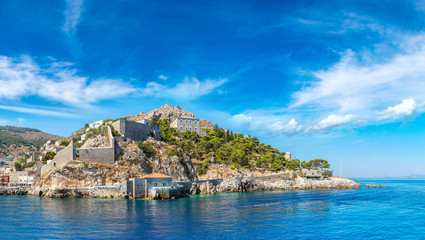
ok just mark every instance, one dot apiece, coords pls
pixel 156 175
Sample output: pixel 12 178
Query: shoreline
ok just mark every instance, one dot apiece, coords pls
pixel 229 185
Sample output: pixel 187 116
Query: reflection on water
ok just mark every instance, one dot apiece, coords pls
pixel 327 214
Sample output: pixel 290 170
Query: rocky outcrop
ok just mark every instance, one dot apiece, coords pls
pixel 132 163
pixel 238 184
pixel 164 112
pixel 13 191
pixel 98 141
pixel 375 186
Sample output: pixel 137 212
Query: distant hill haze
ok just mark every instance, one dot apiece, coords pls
pixel 170 112
pixel 20 136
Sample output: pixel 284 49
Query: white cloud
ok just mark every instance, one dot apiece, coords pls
pixel 21 77
pixel 163 77
pixel 357 85
pixel 290 128
pixel 21 120
pixel 189 89
pixel 36 111
pixel 72 15
pixel 332 121
pixel 405 109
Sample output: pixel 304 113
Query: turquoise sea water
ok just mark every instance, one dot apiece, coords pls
pixel 395 212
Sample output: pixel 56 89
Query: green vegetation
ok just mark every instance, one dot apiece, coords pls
pixel 223 146
pixel 315 164
pixel 64 143
pixel 48 156
pixel 147 149
pixel 9 136
pixel 202 168
pixel 18 166
pixel 18 129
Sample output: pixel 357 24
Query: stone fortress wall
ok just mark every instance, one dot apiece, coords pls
pixel 104 155
pixel 60 159
pixel 137 131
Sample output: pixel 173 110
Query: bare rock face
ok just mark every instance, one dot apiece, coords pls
pixel 132 163
pixel 238 184
pixel 164 112
pixel 98 141
pixel 205 124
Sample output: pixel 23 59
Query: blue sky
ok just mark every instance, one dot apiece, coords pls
pixel 338 80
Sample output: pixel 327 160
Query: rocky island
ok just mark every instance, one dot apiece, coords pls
pixel 167 153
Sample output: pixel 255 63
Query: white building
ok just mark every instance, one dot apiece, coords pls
pixel 96 124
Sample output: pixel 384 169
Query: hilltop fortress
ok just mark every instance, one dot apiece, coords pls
pixel 137 129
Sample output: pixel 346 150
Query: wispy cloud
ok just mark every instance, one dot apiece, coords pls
pixel 189 89
pixel 36 111
pixel 21 77
pixel 354 85
pixel 72 14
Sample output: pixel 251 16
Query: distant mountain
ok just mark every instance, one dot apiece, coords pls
pixel 409 177
pixel 21 136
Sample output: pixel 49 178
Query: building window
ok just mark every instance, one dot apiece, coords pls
pixel 190 128
pixel 181 128
pixel 164 184
pixel 186 120
pixel 195 122
pixel 196 129
pixel 202 134
pixel 54 164
pixel 190 121
pixel 181 121
pixel 155 184
pixel 186 128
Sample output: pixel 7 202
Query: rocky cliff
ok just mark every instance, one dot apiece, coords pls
pixel 133 162
pixel 171 113
pixel 238 184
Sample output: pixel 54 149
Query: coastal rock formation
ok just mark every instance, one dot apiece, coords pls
pixel 238 184
pixel 375 186
pixel 13 191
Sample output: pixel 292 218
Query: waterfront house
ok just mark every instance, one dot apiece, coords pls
pixel 312 173
pixel 21 178
pixel 150 186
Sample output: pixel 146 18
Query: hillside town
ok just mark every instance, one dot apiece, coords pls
pixel 131 159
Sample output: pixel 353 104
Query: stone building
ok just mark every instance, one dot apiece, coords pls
pixel 137 131
pixel 312 173
pixel 191 124
pixel 288 156
pixel 21 178
pixel 149 186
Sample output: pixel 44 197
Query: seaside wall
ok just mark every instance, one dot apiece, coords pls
pixel 60 159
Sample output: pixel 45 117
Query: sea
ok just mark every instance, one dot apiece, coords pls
pixel 394 212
